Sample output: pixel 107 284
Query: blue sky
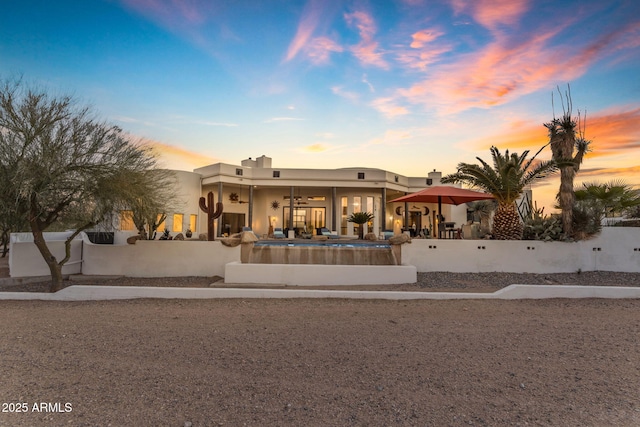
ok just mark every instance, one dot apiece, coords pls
pixel 407 86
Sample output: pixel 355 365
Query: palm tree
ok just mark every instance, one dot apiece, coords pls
pixel 360 218
pixel 563 141
pixel 506 180
pixel 611 198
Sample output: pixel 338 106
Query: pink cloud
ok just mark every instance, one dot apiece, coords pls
pixel 492 13
pixel 320 49
pixel 422 37
pixel 392 138
pixel 506 69
pixel 511 65
pixel 172 14
pixel 306 27
pixel 389 107
pixel 351 96
pixel 612 132
pixel 316 148
pixel 367 51
pixel 173 157
pixel 424 49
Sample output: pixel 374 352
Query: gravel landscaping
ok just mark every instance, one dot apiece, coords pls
pixel 326 362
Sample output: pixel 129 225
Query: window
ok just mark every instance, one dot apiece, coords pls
pixel 357 204
pixel 343 217
pixel 232 223
pixel 360 175
pixel 193 220
pixel 276 174
pixel 299 218
pixel 396 178
pixel 161 225
pixel 177 223
pixel 238 171
pixel 126 221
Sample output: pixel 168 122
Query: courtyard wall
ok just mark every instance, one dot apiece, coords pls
pixel 615 249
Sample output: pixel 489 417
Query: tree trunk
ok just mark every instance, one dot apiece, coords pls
pixel 562 145
pixel 52 262
pixel 507 224
pixel 566 198
pixel 5 243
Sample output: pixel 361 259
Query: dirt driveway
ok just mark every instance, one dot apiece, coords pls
pixel 321 362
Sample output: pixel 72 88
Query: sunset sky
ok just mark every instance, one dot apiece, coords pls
pixel 407 86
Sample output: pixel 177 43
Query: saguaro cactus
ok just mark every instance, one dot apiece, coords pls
pixel 207 206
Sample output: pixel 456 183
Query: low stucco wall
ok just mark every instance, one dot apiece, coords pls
pixel 316 274
pixel 158 258
pixel 615 249
pixel 25 259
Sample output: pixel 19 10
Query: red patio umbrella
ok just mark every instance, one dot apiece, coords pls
pixel 444 194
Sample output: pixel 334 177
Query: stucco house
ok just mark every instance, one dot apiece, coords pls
pixel 258 195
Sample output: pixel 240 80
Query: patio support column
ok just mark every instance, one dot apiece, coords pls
pixel 251 206
pixel 291 196
pixel 383 210
pixel 334 210
pixel 219 232
pixel 406 216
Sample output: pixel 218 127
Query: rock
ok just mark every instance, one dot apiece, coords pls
pixel 232 241
pixel 179 236
pixel 248 237
pixel 202 237
pixel 133 239
pixel 370 236
pixel 399 239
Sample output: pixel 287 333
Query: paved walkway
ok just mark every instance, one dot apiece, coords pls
pixel 97 293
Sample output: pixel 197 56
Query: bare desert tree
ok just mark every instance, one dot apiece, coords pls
pixel 60 164
pixel 150 211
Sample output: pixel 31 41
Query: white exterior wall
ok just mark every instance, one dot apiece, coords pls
pixel 614 249
pixel 25 259
pixel 267 188
pixel 158 258
pixel 187 203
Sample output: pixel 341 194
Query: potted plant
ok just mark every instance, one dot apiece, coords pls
pixel 360 218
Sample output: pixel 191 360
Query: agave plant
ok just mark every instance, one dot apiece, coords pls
pixel 360 218
pixel 506 180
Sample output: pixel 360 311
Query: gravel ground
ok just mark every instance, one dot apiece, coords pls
pixel 326 362
pixel 322 362
pixel 428 282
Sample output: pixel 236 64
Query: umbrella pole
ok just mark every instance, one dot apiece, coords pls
pixel 439 218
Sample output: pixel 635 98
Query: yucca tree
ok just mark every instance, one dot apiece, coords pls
pixel 506 180
pixel 564 143
pixel 360 218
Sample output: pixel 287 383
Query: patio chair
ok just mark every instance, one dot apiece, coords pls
pixel 442 231
pixel 325 232
pixel 278 234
